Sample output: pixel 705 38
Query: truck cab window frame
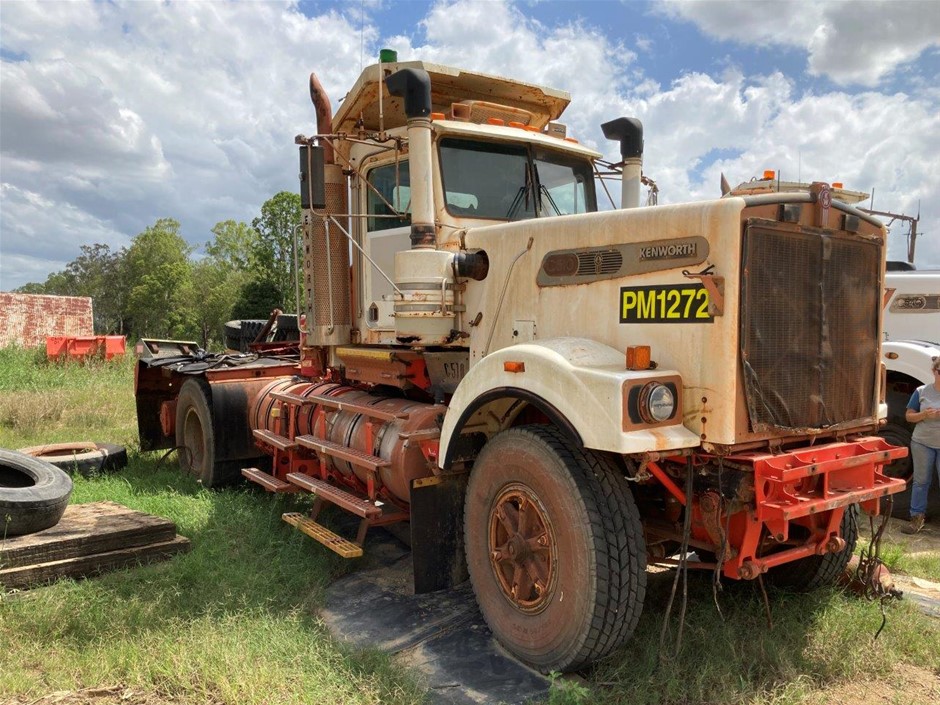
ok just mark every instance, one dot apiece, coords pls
pixel 512 181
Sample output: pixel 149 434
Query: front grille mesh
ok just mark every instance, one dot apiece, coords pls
pixel 809 327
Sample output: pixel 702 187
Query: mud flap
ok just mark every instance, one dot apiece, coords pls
pixel 437 532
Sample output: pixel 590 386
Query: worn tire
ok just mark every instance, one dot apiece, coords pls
pixel 33 494
pixel 816 571
pixel 594 564
pixel 903 469
pixel 195 437
pixel 85 458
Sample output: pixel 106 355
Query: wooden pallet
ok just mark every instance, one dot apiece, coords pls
pixel 90 539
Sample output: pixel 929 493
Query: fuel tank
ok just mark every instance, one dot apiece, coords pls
pixel 386 439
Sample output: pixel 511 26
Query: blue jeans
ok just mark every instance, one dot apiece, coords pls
pixel 926 460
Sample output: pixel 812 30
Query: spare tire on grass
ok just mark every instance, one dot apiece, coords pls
pixel 87 458
pixel 33 494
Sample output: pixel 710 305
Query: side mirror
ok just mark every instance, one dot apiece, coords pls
pixel 312 178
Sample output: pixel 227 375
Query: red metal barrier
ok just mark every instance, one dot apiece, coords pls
pixel 83 347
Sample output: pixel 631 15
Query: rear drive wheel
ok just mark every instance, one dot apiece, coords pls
pixel 195 437
pixel 555 549
pixel 816 571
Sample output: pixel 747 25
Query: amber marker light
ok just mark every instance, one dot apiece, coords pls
pixel 769 174
pixel 511 366
pixel 638 357
pixel 495 121
pixel 836 184
pixel 438 116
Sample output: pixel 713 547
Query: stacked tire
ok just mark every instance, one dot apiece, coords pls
pixel 240 334
pixel 33 494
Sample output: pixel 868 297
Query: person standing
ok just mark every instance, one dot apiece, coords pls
pixel 923 410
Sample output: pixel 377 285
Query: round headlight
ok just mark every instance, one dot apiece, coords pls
pixel 657 403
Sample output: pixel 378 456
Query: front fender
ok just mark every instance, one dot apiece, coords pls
pixel 580 381
pixel 910 357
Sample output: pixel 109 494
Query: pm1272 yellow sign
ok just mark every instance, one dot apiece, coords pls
pixel 680 303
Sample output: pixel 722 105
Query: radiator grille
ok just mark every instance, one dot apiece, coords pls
pixel 809 327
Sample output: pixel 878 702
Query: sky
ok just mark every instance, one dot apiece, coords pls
pixel 114 114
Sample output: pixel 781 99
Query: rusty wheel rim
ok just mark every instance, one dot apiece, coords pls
pixel 522 548
pixel 193 441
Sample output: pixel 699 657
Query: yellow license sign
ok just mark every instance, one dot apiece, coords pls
pixel 680 303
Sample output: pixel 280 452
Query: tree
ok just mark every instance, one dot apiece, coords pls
pixel 257 298
pixel 160 277
pixel 97 273
pixel 273 254
pixel 218 278
pixel 233 244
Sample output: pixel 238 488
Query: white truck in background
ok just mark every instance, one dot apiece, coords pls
pixel 911 330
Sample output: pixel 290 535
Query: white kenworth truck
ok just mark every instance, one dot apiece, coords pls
pixel 552 395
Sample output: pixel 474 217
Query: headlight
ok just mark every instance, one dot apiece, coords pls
pixel 657 403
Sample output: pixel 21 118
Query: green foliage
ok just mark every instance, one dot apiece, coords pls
pixel 97 273
pixel 233 621
pixel 156 289
pixel 232 245
pixel 220 277
pixel 160 280
pixel 256 299
pixel 273 254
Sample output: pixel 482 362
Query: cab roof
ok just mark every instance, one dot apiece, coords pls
pixel 448 86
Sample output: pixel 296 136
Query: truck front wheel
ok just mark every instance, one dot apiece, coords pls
pixel 555 548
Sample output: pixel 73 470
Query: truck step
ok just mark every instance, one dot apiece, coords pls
pixel 318 532
pixel 335 450
pixel 331 493
pixel 339 405
pixel 274 440
pixel 267 481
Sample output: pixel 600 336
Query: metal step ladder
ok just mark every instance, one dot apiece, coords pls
pixel 371 512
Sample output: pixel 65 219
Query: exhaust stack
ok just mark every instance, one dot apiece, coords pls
pixel 414 86
pixel 326 251
pixel 629 132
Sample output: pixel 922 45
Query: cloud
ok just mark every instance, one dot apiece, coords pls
pixel 133 111
pixel 858 42
pixel 28 254
pixel 117 114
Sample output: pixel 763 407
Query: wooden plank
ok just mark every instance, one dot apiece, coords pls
pixel 86 529
pixel 83 566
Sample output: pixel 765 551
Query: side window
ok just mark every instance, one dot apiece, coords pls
pixel 392 181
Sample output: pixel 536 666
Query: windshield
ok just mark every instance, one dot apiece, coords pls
pixel 510 182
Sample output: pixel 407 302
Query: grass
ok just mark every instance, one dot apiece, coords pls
pixel 235 620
